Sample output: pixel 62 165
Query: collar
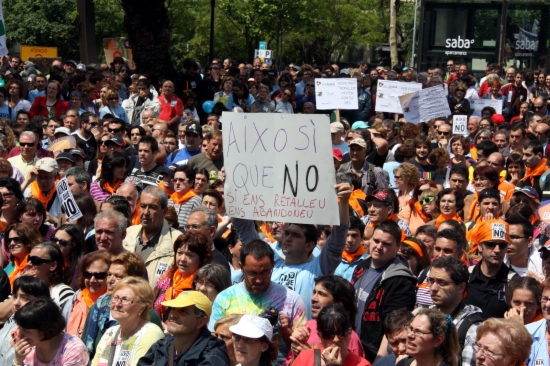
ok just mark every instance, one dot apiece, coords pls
pixel 458 309
pixel 153 241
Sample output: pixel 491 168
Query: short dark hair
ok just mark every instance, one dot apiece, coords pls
pixel 390 227
pixel 518 126
pixel 12 185
pixel 460 170
pixel 458 197
pixel 397 320
pixel 332 319
pixel 487 147
pixel 356 223
pixel 456 268
pixel 517 219
pixel 257 248
pixel 213 193
pixel 85 117
pixel 536 145
pixel 31 286
pixel 457 237
pixel 523 283
pixel 43 315
pixel 341 291
pixel 151 141
pixel 429 230
pixel 189 172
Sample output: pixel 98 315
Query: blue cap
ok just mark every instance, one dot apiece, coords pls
pixel 66 156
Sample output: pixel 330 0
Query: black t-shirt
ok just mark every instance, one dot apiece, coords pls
pixel 91 145
pixel 429 172
pixel 151 177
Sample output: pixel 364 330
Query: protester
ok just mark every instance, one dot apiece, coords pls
pixel 212 279
pixel 505 341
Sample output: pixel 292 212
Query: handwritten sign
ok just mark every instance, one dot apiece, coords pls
pixel 279 168
pixel 37 51
pixel 460 125
pixel 479 104
pixel 336 93
pixel 67 201
pixel 425 104
pixel 388 93
pixel 118 47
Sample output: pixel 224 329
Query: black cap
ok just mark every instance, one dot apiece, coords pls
pixel 272 74
pixel 71 62
pixel 194 127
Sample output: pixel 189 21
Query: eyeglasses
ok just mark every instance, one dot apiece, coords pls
pixel 492 244
pixel 124 300
pixel 544 299
pixel 484 351
pixel 114 130
pixel 246 340
pixel 396 177
pixel 427 200
pixel 123 70
pixel 288 94
pixel 27 144
pixel 62 242
pixel 416 332
pixel 97 275
pixel 331 335
pixel 534 106
pixel 208 285
pixel 103 142
pixel 440 283
pixel 444 133
pixel 113 99
pixel 461 90
pixel 14 87
pixel 376 205
pixel 257 275
pixel 36 260
pixel 93 124
pixel 181 179
pixel 193 227
pixel 15 239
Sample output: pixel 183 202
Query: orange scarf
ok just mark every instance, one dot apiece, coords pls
pixel 537 318
pixel 474 212
pixel 135 217
pixel 181 198
pixel 112 190
pixel 357 195
pixel 265 229
pixel 444 217
pixel 532 173
pixel 18 269
pixel 168 192
pixel 36 192
pixel 90 298
pixel 350 257
pixel 418 208
pixel 180 282
pixel 534 218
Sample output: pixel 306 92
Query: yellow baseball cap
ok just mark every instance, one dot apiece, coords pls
pixel 189 298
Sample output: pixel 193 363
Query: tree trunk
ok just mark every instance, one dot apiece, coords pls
pixel 393 33
pixel 149 34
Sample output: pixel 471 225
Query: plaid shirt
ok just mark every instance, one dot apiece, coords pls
pixel 468 353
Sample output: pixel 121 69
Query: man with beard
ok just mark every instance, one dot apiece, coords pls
pixel 423 148
pixel 212 158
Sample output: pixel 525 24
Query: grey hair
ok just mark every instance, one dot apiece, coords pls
pixel 211 215
pixel 482 131
pixel 230 319
pixel 80 175
pixel 28 134
pixel 215 273
pixel 503 132
pixel 121 221
pixel 160 193
pixel 437 79
pixel 476 118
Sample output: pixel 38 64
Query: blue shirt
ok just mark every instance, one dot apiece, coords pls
pixel 181 157
pixel 5 112
pixel 118 113
pixel 35 93
pixel 345 269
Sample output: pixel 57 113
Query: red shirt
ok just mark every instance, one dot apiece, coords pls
pixel 169 110
pixel 306 358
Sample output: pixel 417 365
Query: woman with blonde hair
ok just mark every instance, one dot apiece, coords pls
pixel 503 342
pixel 457 101
pixel 406 178
pixel 113 107
pixel 131 302
pixel 221 330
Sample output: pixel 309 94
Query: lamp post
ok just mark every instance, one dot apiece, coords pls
pixel 212 6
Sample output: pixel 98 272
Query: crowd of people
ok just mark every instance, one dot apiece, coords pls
pixel 441 255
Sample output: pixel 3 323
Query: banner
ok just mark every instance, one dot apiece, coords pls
pixel 3 45
pixel 36 51
pixel 388 93
pixel 479 104
pixel 279 167
pixel 425 104
pixel 120 47
pixel 67 201
pixel 336 93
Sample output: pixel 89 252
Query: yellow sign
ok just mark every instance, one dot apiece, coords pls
pixel 37 51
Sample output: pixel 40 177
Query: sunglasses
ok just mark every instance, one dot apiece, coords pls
pixel 461 90
pixel 113 99
pixel 15 239
pixel 492 244
pixel 427 200
pixel 114 130
pixel 103 142
pixel 36 260
pixel 97 275
pixel 443 133
pixel 27 144
pixel 330 335
pixel 93 124
pixel 62 242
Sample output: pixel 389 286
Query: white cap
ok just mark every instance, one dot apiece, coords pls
pixel 64 130
pixel 251 326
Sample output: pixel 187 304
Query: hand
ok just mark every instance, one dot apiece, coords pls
pixel 32 174
pixel 515 178
pixel 488 216
pixel 52 220
pixel 285 329
pixel 301 334
pixel 332 356
pixel 443 142
pixel 22 349
pixel 97 133
pixel 515 314
pixel 343 190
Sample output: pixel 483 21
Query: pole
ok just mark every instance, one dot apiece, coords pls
pixel 502 39
pixel 414 32
pixel 86 18
pixel 212 6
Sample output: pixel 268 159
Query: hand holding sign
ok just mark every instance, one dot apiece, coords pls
pixel 67 201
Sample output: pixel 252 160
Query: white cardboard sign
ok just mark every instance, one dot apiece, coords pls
pixel 336 93
pixel 460 125
pixel 425 104
pixel 479 104
pixel 67 201
pixel 388 93
pixel 279 168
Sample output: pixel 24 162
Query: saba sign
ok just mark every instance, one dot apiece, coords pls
pixel 458 43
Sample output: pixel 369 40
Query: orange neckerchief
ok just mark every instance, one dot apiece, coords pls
pixel 112 190
pixel 354 198
pixel 19 268
pixel 180 282
pixel 444 217
pixel 36 192
pixel 3 226
pixel 168 192
pixel 418 208
pixel 537 318
pixel 181 198
pixel 532 173
pixel 135 217
pixel 265 229
pixel 474 212
pixel 393 217
pixel 90 298
pixel 534 218
pixel 350 257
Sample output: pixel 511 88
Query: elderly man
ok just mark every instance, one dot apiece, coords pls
pixel 27 159
pixel 540 107
pixel 171 107
pixel 40 184
pixel 153 239
pixel 372 177
pixel 473 127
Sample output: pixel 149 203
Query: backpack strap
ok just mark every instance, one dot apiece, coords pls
pixel 317 357
pixel 372 178
pixel 465 325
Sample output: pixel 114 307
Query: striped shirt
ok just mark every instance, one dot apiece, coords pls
pixel 98 193
pixel 184 210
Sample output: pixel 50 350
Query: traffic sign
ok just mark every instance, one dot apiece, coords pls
pixel 263 45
